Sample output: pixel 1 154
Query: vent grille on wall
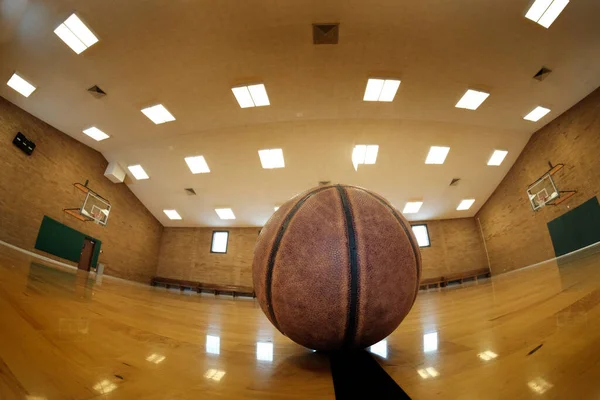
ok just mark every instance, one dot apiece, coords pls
pixel 326 33
pixel 542 74
pixel 454 181
pixel 190 192
pixel 96 92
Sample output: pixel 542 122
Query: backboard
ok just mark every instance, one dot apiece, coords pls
pixel 542 191
pixel 96 208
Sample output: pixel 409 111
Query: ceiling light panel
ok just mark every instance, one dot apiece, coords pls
pixel 20 85
pixel 497 157
pixel 472 99
pixel 364 154
pixel 465 204
pixel 437 155
pixel 536 114
pixel 197 165
pixel 412 207
pixel 225 213
pixel 381 90
pixel 96 133
pixel 158 114
pixel 251 96
pixel 271 158
pixel 545 12
pixel 75 34
pixel 138 172
pixel 172 214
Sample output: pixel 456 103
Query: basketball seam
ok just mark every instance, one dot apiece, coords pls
pixel 413 245
pixel 352 314
pixel 275 248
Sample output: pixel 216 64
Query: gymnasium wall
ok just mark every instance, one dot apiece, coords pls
pixel 42 184
pixel 515 235
pixel 185 254
pixel 456 246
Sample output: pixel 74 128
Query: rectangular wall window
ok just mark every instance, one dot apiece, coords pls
pixel 219 242
pixel 422 235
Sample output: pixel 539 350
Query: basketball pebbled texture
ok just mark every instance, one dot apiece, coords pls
pixel 336 267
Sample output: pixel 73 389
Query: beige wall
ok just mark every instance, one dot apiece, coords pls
pixel 515 235
pixel 42 184
pixel 185 254
pixel 456 246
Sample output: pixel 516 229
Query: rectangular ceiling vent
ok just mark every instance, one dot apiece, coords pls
pixel 190 192
pixel 324 183
pixel 454 181
pixel 542 74
pixel 326 33
pixel 96 92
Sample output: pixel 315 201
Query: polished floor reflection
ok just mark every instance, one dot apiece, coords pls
pixel 529 334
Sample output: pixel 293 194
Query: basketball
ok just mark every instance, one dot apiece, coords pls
pixel 336 267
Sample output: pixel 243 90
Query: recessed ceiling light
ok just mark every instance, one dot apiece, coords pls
pixel 437 155
pixel 497 157
pixel 96 133
pixel 20 85
pixel 465 204
pixel 158 114
pixel 251 96
pixel 544 12
pixel 172 214
pixel 271 158
pixel 536 114
pixel 138 172
pixel 381 90
pixel 412 207
pixel 75 34
pixel 364 154
pixel 225 213
pixel 197 165
pixel 472 99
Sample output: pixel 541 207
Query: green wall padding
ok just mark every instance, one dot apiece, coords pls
pixel 64 242
pixel 577 228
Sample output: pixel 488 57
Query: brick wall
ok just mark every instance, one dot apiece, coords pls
pixel 515 235
pixel 456 246
pixel 185 254
pixel 42 184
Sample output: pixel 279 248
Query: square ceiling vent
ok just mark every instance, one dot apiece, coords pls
pixel 326 33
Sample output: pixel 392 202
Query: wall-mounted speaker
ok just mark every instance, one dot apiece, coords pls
pixel 24 144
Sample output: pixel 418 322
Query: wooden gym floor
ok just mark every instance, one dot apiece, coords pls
pixel 64 335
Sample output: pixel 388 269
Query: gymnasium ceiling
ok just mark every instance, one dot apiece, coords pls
pixel 188 54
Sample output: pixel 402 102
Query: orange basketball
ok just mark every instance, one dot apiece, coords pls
pixel 336 267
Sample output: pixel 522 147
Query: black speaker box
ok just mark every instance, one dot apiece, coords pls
pixel 24 144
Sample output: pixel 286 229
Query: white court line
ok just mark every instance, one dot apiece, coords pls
pixel 553 259
pixel 62 264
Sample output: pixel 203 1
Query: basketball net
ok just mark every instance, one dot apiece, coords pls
pixel 96 217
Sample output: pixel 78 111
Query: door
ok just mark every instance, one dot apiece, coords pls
pixel 86 255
